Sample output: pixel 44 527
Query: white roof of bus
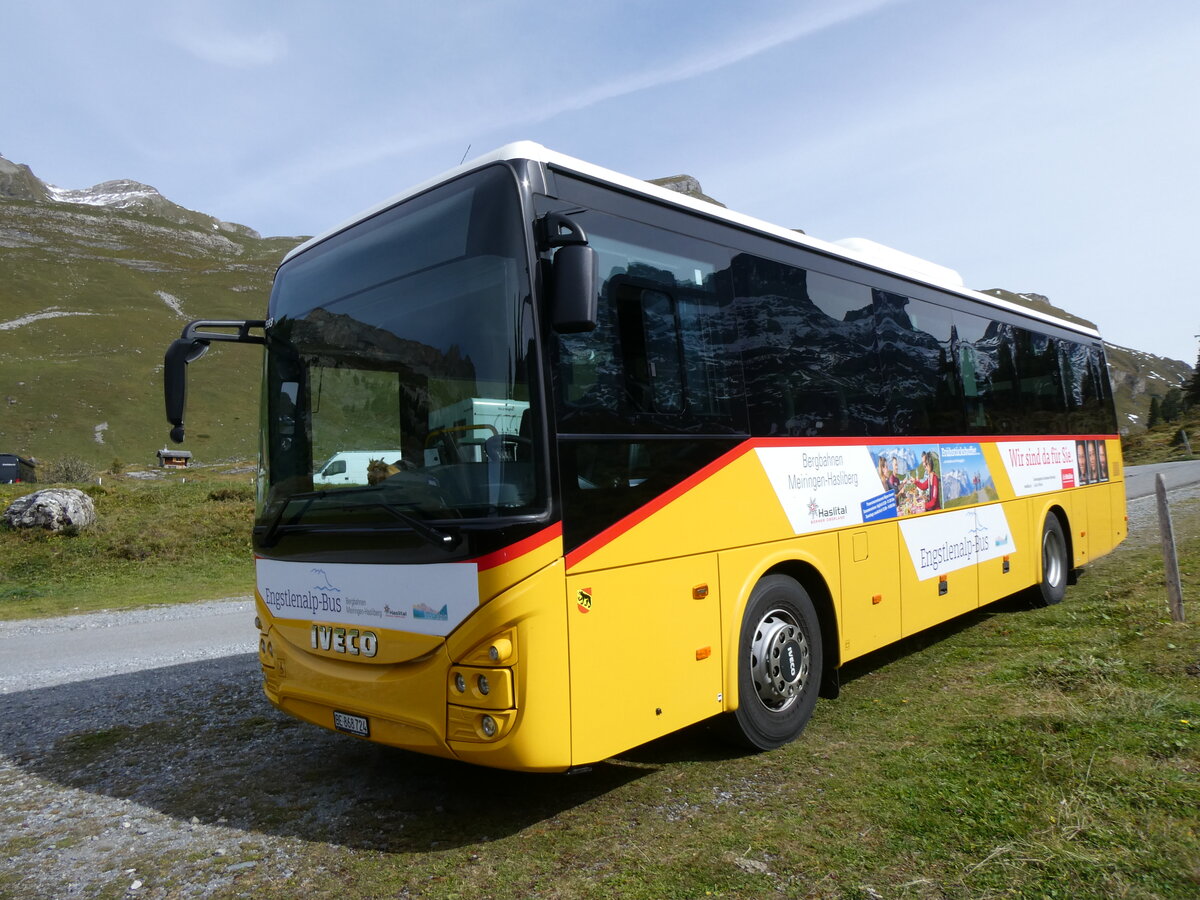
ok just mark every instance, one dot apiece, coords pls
pixel 858 250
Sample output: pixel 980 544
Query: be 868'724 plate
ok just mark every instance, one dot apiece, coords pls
pixel 351 724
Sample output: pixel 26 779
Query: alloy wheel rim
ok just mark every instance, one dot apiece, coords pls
pixel 780 660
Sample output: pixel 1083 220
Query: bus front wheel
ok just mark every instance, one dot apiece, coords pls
pixel 1055 565
pixel 779 663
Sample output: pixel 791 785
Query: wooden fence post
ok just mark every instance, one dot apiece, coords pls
pixel 1170 560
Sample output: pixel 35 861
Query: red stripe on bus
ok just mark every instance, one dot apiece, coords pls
pixel 520 548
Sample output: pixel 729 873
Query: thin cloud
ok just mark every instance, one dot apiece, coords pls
pixel 231 49
pixel 775 34
pixel 770 35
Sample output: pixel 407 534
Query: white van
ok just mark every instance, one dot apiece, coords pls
pixel 350 466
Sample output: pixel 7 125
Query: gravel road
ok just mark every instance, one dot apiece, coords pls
pixel 138 758
pixel 43 652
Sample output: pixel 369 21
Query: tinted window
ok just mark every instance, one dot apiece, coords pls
pixel 1043 401
pixel 987 366
pixel 662 358
pixel 807 343
pixel 917 352
pixel 1089 393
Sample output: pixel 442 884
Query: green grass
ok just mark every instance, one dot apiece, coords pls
pixel 181 538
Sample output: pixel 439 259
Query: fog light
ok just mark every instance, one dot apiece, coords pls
pixel 488 724
pixel 484 687
pixel 460 683
pixel 500 651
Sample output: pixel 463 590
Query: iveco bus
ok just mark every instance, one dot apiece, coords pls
pixel 649 461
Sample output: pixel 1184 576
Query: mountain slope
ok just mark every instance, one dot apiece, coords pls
pixel 93 286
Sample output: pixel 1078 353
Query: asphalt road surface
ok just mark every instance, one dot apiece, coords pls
pixel 42 652
pixel 36 653
pixel 1139 480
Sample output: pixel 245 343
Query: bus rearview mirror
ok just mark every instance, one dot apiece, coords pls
pixel 189 347
pixel 178 355
pixel 576 283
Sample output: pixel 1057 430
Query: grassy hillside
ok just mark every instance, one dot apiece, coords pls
pixel 90 299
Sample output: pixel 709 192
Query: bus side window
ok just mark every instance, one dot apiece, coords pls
pixel 987 366
pixel 650 349
pixel 917 349
pixel 1041 383
pixel 807 341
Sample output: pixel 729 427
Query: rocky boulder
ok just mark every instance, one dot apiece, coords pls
pixel 54 509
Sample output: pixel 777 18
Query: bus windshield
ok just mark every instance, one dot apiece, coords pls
pixel 398 369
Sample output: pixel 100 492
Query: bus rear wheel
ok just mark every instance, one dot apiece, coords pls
pixel 780 658
pixel 1055 565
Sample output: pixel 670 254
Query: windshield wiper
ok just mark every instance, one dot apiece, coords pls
pixel 435 536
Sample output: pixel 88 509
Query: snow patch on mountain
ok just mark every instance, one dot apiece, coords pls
pixel 120 194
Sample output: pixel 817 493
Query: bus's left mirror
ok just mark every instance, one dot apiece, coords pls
pixel 189 347
pixel 576 284
pixel 179 354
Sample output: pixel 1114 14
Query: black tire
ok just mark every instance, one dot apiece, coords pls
pixel 1055 566
pixel 780 658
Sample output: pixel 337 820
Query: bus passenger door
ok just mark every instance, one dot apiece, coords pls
pixel 645 646
pixel 870 600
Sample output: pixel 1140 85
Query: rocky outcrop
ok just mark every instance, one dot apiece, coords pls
pixel 686 185
pixel 53 509
pixel 19 182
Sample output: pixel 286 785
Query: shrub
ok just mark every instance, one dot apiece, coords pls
pixel 66 470
pixel 226 494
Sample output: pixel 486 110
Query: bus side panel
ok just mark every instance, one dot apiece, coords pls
pixel 741 569
pixel 532 612
pixel 870 596
pixel 1100 520
pixel 1075 503
pixel 645 652
pixel 941 594
pixel 1022 557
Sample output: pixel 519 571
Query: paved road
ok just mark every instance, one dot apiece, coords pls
pixel 37 653
pixel 43 652
pixel 1139 480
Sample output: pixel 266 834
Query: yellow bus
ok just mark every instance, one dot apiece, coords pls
pixel 627 461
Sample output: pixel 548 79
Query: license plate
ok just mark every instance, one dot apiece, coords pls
pixel 351 724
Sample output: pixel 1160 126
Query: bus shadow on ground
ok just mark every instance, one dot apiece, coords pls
pixel 199 741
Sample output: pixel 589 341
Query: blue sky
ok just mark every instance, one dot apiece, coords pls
pixel 1049 146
